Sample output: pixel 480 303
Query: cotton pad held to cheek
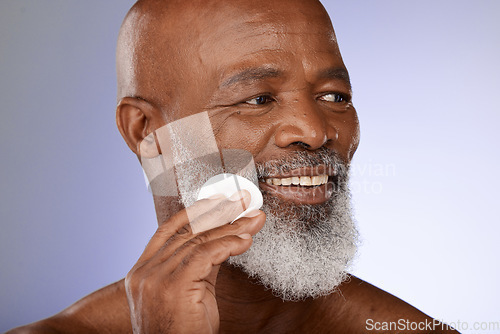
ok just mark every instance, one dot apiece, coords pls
pixel 227 184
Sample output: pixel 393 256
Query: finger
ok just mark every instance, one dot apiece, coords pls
pixel 222 213
pixel 180 223
pixel 176 223
pixel 179 246
pixel 198 265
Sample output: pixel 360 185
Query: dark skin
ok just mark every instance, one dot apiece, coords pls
pixel 271 77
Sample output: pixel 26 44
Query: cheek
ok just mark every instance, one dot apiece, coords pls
pixel 349 134
pixel 252 134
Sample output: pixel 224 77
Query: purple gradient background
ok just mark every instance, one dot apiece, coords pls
pixel 76 215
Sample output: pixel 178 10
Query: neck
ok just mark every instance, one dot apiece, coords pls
pixel 239 296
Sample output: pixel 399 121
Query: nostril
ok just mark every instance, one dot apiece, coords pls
pixel 301 144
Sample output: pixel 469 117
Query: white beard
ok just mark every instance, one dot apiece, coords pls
pixel 302 251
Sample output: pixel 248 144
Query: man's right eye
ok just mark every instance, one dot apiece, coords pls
pixel 259 100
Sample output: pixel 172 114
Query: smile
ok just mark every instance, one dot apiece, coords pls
pixel 298 181
pixel 301 186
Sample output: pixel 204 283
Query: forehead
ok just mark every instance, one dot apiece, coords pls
pixel 299 30
pixel 209 43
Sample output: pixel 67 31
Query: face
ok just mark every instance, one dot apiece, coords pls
pixel 274 84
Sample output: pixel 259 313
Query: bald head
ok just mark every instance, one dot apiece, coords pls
pixel 167 47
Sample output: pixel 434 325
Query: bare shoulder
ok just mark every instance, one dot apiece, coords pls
pixel 370 309
pixel 103 311
pixel 373 301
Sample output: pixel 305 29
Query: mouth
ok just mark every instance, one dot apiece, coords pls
pixel 301 186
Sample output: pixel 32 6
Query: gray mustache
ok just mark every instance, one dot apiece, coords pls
pixel 299 159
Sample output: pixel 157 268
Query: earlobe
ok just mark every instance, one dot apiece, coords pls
pixel 136 120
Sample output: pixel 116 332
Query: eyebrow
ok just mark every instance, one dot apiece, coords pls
pixel 252 74
pixel 336 73
pixel 260 73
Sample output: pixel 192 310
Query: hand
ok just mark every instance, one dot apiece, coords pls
pixel 171 288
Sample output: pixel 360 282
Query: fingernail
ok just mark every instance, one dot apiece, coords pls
pixel 253 213
pixel 245 236
pixel 239 195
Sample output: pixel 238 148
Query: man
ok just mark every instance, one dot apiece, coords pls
pixel 271 79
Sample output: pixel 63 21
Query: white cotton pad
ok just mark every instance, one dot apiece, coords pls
pixel 227 184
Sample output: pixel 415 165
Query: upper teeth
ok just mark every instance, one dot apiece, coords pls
pixel 296 180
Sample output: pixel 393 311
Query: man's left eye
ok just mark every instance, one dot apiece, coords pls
pixel 333 97
pixel 259 100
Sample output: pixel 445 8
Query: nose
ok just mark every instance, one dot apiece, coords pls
pixel 304 124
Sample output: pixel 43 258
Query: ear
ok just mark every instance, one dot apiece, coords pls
pixel 136 120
